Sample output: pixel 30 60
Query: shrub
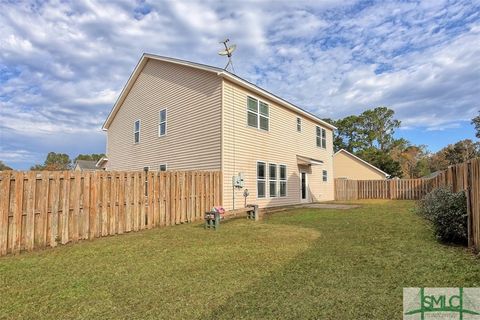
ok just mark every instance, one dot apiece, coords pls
pixel 447 211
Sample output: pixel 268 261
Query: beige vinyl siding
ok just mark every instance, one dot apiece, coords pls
pixel 346 166
pixel 192 98
pixel 243 146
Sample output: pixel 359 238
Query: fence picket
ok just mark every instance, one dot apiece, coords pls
pixel 168 197
pixel 94 206
pixel 17 213
pixel 161 205
pixel 4 211
pixel 121 203
pixel 54 221
pixel 86 205
pixel 43 208
pixel 76 205
pixel 30 212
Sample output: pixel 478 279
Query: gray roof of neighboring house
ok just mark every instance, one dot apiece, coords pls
pixel 86 164
pixel 432 175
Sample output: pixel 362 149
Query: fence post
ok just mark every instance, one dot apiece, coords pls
pixel 469 204
pixel 30 211
pixel 17 213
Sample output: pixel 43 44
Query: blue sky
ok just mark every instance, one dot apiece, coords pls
pixel 63 64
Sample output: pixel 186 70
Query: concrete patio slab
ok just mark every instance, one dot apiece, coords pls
pixel 328 206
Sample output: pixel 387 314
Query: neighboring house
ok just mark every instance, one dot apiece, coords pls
pixel 349 166
pixel 102 163
pixel 432 175
pixel 85 165
pixel 179 115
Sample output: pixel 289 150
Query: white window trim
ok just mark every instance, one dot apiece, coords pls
pixel 322 131
pixel 321 138
pixel 264 179
pixel 323 171
pixel 163 164
pixel 139 129
pixel 299 123
pixel 275 180
pixel 258 114
pixel 285 180
pixel 159 123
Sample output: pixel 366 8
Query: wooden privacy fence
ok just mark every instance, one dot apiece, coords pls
pixel 462 177
pixel 43 209
pixel 400 189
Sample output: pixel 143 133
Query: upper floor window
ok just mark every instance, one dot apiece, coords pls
pixel 136 131
pixel 257 114
pixel 162 126
pixel 321 137
pixel 299 124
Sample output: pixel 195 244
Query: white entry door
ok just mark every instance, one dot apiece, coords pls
pixel 304 186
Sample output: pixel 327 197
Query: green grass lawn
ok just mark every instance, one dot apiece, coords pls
pixel 298 264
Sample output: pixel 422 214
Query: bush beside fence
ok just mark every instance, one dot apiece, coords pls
pixel 43 209
pixel 463 177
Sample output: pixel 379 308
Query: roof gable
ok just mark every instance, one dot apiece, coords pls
pixel 362 161
pixel 218 71
pixel 86 164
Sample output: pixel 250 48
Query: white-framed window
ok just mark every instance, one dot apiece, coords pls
pixel 321 137
pixel 272 179
pixel 258 114
pixel 261 179
pixel 282 175
pixel 162 167
pixel 299 124
pixel 324 175
pixel 162 124
pixel 136 131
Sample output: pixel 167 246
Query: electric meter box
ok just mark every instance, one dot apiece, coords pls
pixel 238 180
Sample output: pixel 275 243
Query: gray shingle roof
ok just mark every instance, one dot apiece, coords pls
pixel 86 164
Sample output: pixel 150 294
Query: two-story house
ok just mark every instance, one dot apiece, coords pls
pixel 179 115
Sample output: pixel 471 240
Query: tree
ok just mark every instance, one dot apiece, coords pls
pixel 349 134
pixel 437 162
pixel 422 168
pixel 379 127
pixel 382 160
pixel 4 167
pixel 476 123
pixel 452 154
pixel 413 162
pixel 371 136
pixel 373 128
pixel 90 157
pixel 461 151
pixel 54 162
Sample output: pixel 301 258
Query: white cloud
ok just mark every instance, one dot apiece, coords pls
pixel 63 64
pixel 19 155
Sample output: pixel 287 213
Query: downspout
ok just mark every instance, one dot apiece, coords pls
pixel 234 145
